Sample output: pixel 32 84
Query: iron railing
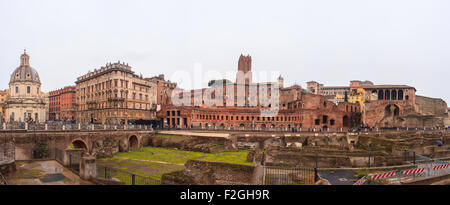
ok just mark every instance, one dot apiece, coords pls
pixel 3 180
pixel 422 168
pixel 74 162
pixel 125 177
pixel 68 127
pixel 288 176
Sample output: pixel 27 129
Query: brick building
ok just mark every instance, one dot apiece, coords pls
pixel 114 94
pixel 164 89
pixel 62 104
pixel 387 105
pixel 294 107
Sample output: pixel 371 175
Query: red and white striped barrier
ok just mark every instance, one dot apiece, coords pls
pixel 360 181
pixel 413 171
pixel 383 175
pixel 444 166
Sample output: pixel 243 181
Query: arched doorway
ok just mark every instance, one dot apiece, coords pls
pixel 241 127
pixel 345 121
pixel 392 110
pixel 263 127
pixel 79 144
pixel 133 142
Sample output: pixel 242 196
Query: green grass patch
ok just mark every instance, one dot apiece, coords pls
pixel 27 174
pixel 239 157
pixel 153 162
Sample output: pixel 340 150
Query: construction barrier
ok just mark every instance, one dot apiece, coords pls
pixel 383 175
pixel 413 171
pixel 445 166
pixel 360 181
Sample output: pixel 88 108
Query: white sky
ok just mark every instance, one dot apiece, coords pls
pixel 329 41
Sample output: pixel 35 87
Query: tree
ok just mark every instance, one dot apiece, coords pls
pixel 212 82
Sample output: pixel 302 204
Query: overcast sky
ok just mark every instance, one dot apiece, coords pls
pixel 329 41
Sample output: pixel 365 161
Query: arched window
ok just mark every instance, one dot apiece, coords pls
pixel 380 95
pixel 387 95
pixel 400 95
pixel 394 95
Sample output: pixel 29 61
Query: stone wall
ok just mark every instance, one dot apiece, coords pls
pixel 8 168
pixel 193 143
pixel 426 112
pixel 447 119
pixel 42 144
pixel 431 106
pixel 212 173
pixel 328 158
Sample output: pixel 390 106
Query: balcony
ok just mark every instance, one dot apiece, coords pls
pixel 116 99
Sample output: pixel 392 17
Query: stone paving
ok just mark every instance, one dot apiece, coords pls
pixel 43 173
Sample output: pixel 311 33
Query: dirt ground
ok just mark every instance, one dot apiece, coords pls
pixel 43 173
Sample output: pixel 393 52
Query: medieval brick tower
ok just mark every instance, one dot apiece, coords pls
pixel 244 69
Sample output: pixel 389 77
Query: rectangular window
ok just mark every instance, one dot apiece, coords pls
pixel 28 89
pixel 325 119
pixel 17 89
pixel 317 122
pixel 331 122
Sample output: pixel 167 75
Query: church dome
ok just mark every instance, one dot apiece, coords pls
pixel 25 73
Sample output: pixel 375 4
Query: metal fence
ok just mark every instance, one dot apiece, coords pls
pixel 288 176
pixel 69 127
pixel 74 162
pixel 3 180
pixel 125 177
pixel 423 167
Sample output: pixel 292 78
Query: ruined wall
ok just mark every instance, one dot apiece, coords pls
pixel 431 106
pixel 193 143
pixel 42 144
pixel 426 112
pixel 7 168
pixel 211 173
pixel 328 158
pixel 447 119
pixel 382 113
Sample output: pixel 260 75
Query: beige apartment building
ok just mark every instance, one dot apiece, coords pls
pixel 115 95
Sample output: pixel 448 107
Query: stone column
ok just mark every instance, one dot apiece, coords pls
pixel 79 126
pixel 26 125
pixel 4 126
pixel 64 127
pixel 46 126
pixel 88 168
